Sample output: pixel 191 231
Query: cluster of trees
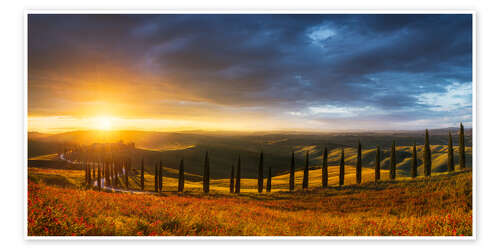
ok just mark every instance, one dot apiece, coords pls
pixel 112 173
pixel 108 172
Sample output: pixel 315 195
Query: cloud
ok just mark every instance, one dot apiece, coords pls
pixel 261 65
pixel 456 96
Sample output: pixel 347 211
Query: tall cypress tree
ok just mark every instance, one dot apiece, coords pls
pixel 451 161
pixel 87 174
pixel 324 171
pixel 231 181
pixel 305 181
pixel 238 176
pixel 180 186
pixel 98 177
pixel 359 164
pixel 377 164
pixel 269 176
pixel 105 172
pixel 111 173
pixel 127 167
pixel 427 155
pixel 414 161
pixel 206 177
pixel 341 167
pixel 393 161
pixel 156 177
pixel 461 149
pixel 160 177
pixel 142 174
pixel 86 167
pixel 291 184
pixel 260 180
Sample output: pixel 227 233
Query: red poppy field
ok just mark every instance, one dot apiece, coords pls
pixel 437 206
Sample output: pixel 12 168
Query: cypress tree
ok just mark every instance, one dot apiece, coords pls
pixel 427 155
pixel 341 168
pixel 98 177
pixel 461 150
pixel 269 176
pixel 142 174
pixel 260 181
pixel 87 174
pixel 127 167
pixel 180 187
pixel 377 164
pixel 86 167
pixel 102 173
pixel 160 176
pixel 231 181
pixel 112 178
pixel 324 172
pixel 451 161
pixel 156 177
pixel 116 172
pixel 238 176
pixel 206 177
pixel 90 174
pixel 106 172
pixel 292 173
pixel 414 161
pixel 393 160
pixel 359 164
pixel 305 181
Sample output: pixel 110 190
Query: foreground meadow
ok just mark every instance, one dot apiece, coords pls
pixel 436 206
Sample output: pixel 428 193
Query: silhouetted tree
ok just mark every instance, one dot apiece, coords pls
pixel 461 149
pixel 206 173
pixel 231 181
pixel 260 180
pixel 427 155
pixel 451 161
pixel 112 175
pixel 93 171
pixel 414 161
pixel 305 181
pixel 99 177
pixel 160 176
pixel 86 171
pixel 341 167
pixel 109 174
pixel 359 164
pixel 324 170
pixel 377 164
pixel 269 176
pixel 127 167
pixel 180 186
pixel 393 161
pixel 238 176
pixel 156 177
pixel 142 174
pixel 117 171
pixel 291 183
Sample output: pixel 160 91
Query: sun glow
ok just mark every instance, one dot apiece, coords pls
pixel 104 123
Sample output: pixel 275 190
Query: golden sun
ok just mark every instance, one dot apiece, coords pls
pixel 104 123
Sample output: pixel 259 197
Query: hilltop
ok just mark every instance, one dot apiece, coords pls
pixel 224 148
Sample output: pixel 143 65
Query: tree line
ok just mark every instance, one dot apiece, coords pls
pixel 116 173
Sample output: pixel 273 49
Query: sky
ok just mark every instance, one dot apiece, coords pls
pixel 249 72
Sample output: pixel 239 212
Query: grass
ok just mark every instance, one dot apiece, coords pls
pixel 440 205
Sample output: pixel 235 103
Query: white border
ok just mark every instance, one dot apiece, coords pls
pixel 474 125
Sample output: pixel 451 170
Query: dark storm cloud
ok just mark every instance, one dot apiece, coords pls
pixel 283 62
